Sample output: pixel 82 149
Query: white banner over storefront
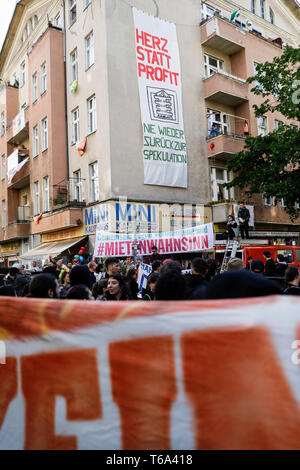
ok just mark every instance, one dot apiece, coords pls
pixel 192 239
pixel 159 78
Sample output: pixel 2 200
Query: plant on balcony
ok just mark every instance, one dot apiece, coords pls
pixel 270 164
pixel 59 200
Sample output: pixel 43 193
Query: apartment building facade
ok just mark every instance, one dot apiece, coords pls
pixel 33 139
pixel 75 143
pixel 231 50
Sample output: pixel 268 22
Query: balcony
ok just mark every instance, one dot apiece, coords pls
pixel 223 36
pixel 17 229
pixel 24 213
pixel 223 146
pixel 18 129
pixel 18 169
pixel 226 89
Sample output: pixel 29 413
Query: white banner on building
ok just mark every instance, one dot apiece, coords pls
pixel 192 239
pixel 159 78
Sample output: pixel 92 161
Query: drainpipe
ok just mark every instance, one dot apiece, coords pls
pixel 66 97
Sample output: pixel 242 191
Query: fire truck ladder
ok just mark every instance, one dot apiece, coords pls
pixel 231 247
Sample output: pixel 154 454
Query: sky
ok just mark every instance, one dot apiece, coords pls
pixel 6 10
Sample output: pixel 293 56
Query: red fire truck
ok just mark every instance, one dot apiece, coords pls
pixel 290 253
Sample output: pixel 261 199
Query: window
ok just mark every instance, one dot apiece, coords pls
pixel 206 11
pixel 74 65
pixel 2 123
pixel 271 16
pixel 77 186
pixel 46 202
pixel 262 126
pixel 218 178
pixel 212 65
pixel 44 134
pixel 277 124
pixel 72 4
pixel 283 202
pixel 3 213
pixel 92 117
pixel 25 200
pixel 94 187
pixel 256 83
pixel 219 120
pixel 43 78
pixel 262 8
pixel 34 87
pixel 268 201
pixel 22 73
pixel 36 198
pixel 75 126
pixel 57 22
pixel 253 6
pixel 35 141
pixel 288 255
pixel 3 167
pixel 89 50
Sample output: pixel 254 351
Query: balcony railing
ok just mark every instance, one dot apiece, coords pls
pixel 222 36
pixel 18 169
pixel 18 128
pixel 225 89
pixel 71 192
pixel 24 213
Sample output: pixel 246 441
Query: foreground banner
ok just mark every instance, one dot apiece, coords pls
pixel 159 78
pixel 192 239
pixel 150 375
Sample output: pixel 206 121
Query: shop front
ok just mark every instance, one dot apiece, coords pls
pixel 61 243
pixel 9 253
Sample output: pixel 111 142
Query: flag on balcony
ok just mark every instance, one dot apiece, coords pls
pixel 235 15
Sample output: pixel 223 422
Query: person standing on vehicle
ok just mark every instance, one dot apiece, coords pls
pixel 244 217
pixel 231 228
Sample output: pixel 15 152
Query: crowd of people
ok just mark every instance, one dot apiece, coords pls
pixel 115 280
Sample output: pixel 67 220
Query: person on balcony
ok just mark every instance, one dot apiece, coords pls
pixel 213 131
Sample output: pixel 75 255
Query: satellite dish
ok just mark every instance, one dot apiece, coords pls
pixel 249 23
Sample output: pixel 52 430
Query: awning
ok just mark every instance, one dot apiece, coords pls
pixel 51 249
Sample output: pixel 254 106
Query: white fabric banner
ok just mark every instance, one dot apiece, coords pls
pixel 159 78
pixel 208 375
pixel 191 239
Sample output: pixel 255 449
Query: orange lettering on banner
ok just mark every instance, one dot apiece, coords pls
pixel 73 375
pixel 8 385
pixel 144 388
pixel 239 392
